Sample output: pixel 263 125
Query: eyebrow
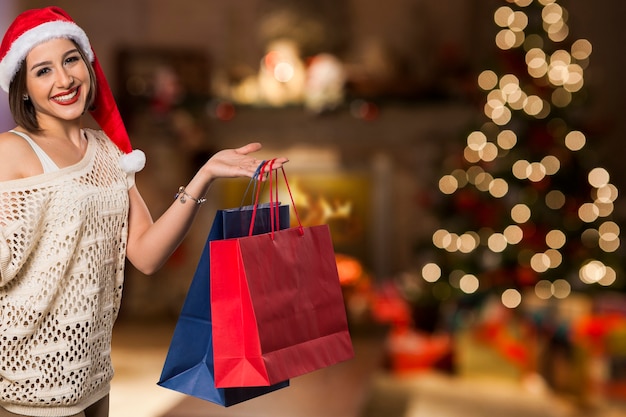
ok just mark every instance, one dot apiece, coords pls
pixel 44 63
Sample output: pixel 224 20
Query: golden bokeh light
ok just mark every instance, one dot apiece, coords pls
pixel 473 173
pixel 431 272
pixel 471 155
pixel 483 181
pixel 536 172
pixel 519 21
pixel 609 230
pixel 609 245
pixel 520 213
pixel 558 32
pixel 454 242
pixel 555 257
pixel 507 139
pixel 461 177
pixel 511 298
pixel 498 188
pixel 555 239
pixel 497 242
pixel 561 97
pixel 543 289
pixel 561 289
pixel 503 16
pixel 509 84
pixel 502 116
pixel 589 238
pixel 606 193
pixel 508 38
pixel 605 209
pixel 441 238
pixel 448 184
pixel 598 177
pixel 592 272
pixel 513 234
pixel 609 278
pixel 534 106
pixel 469 284
pixel 552 13
pixel 575 140
pixel 489 152
pixel 517 100
pixel 468 242
pixel 588 212
pixel 609 240
pixel 575 78
pixel 487 80
pixel 551 164
pixel 520 169
pixel 555 199
pixel 476 140
pixel 540 262
pixel 581 49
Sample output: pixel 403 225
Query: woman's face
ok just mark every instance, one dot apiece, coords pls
pixel 57 80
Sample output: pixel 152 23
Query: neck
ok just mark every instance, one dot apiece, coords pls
pixel 60 130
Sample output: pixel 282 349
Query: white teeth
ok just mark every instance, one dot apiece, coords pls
pixel 66 97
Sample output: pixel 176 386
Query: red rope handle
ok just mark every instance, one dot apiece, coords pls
pixel 256 197
pixel 274 208
pixel 293 203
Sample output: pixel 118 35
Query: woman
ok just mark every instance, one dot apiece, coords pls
pixel 70 214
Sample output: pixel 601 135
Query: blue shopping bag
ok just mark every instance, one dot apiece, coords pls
pixel 189 367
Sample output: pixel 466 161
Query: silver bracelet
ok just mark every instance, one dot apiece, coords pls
pixel 184 196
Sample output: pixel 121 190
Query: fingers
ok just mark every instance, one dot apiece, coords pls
pixel 250 165
pixel 249 148
pixel 279 162
pixel 276 163
pixel 254 147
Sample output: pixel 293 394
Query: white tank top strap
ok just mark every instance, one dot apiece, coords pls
pixel 46 162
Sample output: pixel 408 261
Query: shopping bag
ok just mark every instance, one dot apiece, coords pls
pixel 188 366
pixel 277 305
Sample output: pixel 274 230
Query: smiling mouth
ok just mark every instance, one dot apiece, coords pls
pixel 66 98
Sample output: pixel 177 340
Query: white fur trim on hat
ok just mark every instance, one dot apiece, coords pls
pixel 10 65
pixel 133 162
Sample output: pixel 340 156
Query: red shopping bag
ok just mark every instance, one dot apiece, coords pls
pixel 277 306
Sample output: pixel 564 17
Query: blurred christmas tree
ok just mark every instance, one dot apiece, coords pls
pixel 526 208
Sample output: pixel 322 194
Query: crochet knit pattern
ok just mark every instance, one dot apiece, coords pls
pixel 62 253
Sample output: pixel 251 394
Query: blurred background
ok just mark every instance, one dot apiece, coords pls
pixel 467 155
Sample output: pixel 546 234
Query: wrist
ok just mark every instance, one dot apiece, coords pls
pixel 183 196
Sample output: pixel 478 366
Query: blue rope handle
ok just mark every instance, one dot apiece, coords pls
pixel 254 180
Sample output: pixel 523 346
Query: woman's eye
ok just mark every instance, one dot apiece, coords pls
pixel 43 71
pixel 71 59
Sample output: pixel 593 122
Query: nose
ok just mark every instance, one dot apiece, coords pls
pixel 64 78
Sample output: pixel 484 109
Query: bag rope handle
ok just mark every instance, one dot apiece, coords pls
pixel 273 199
pixel 253 179
pixel 293 203
pixel 259 173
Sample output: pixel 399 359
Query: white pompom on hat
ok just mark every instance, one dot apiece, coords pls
pixel 37 26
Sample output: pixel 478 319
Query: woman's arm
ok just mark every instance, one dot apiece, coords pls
pixel 150 243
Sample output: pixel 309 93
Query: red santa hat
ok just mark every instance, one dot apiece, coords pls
pixel 37 26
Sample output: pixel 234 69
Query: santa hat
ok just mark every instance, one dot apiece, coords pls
pixel 36 26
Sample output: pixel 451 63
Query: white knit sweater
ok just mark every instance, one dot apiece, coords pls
pixel 62 253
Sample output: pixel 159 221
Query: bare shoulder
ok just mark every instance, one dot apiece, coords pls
pixel 17 158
